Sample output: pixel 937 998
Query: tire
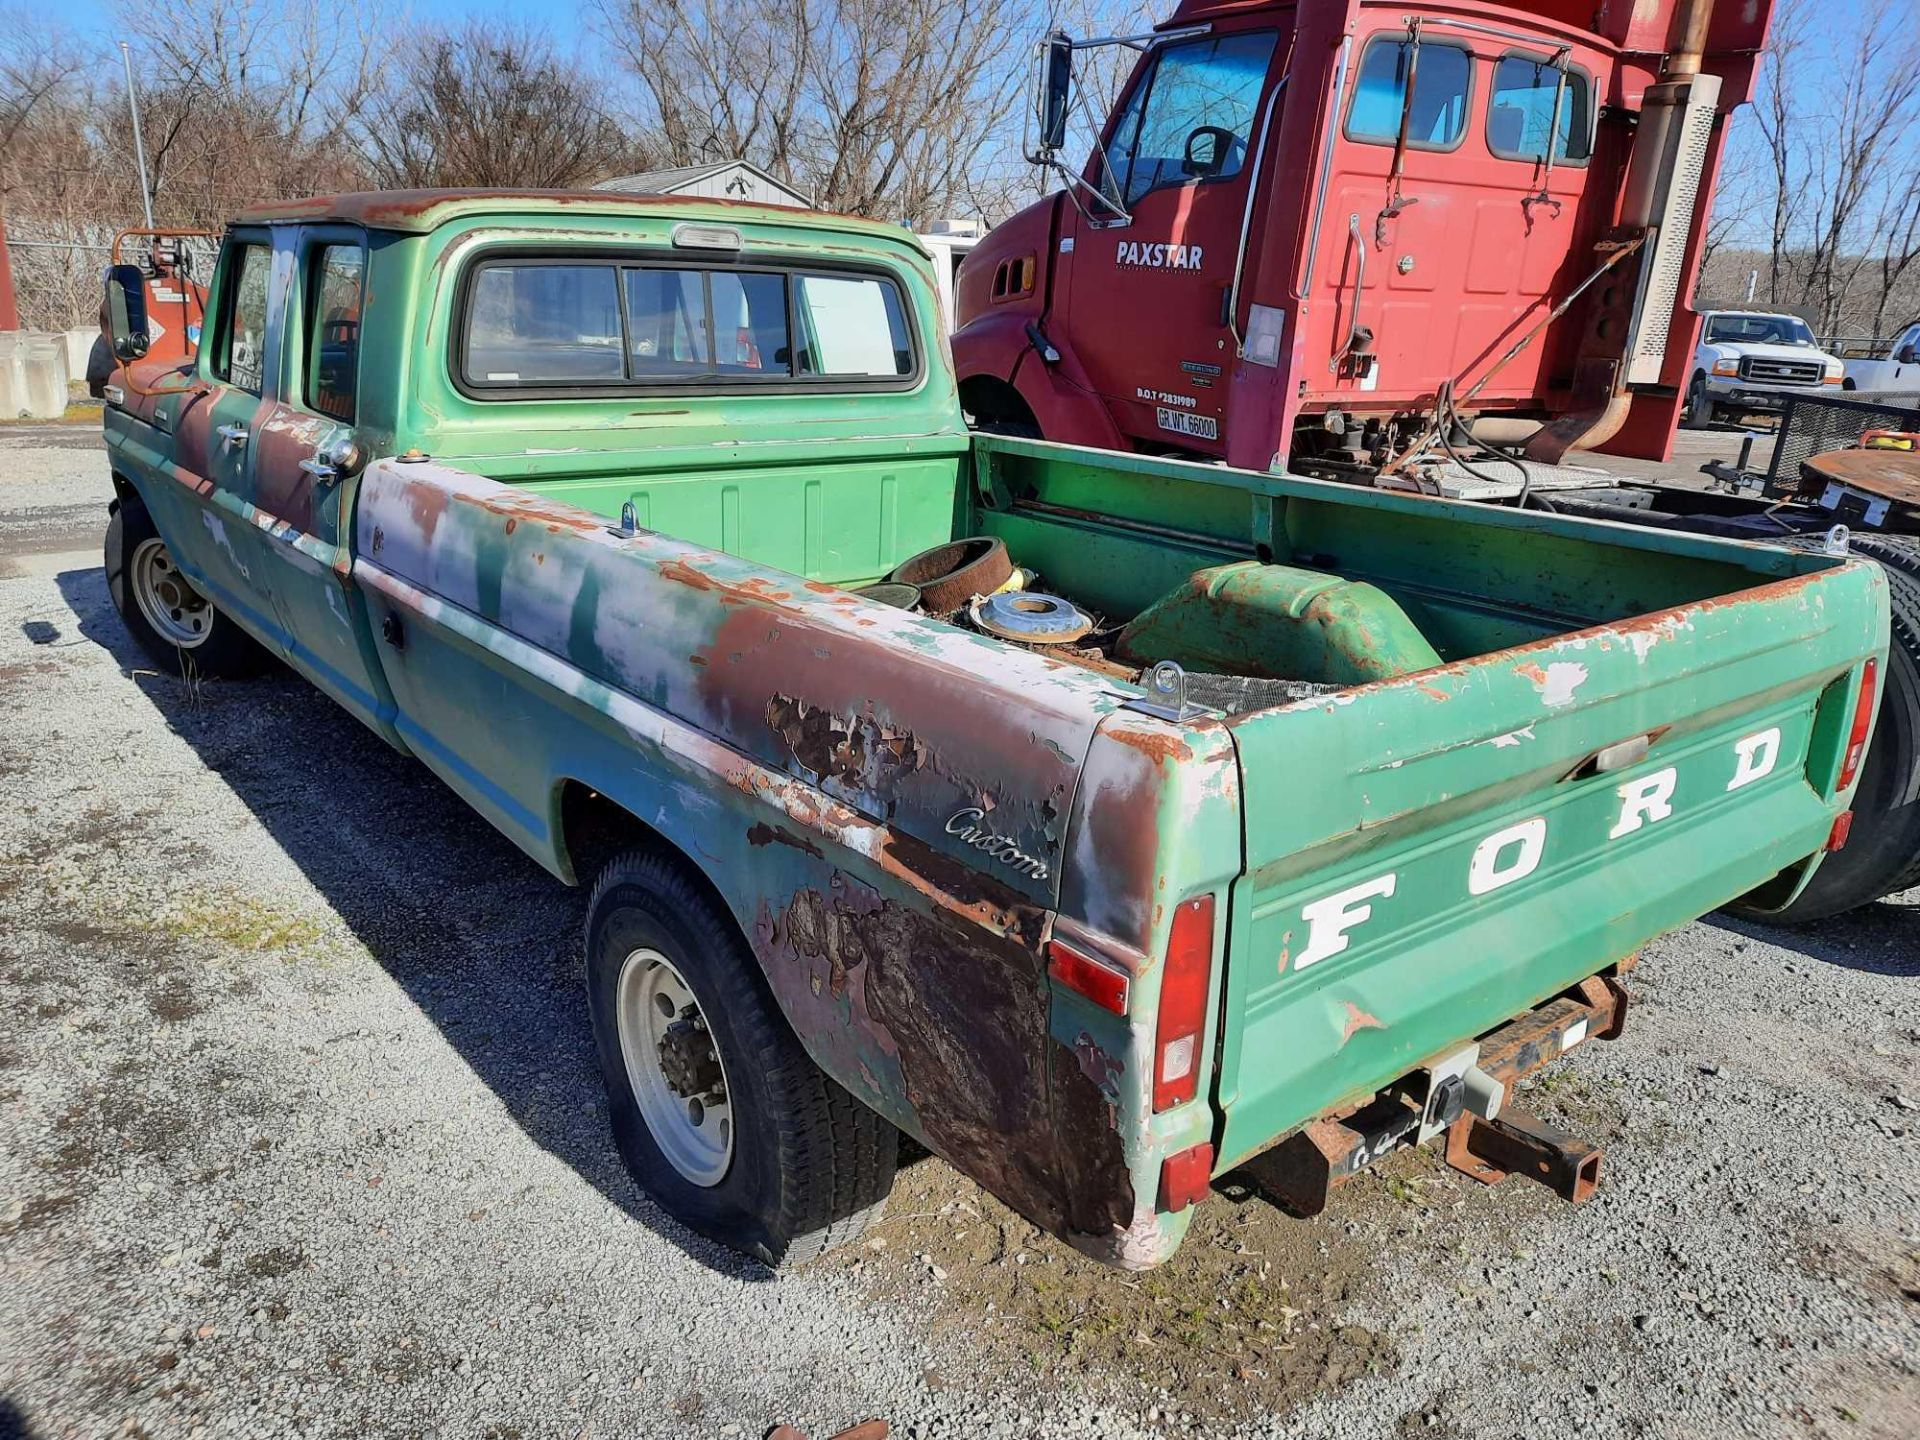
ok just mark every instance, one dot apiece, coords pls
pixel 808 1166
pixel 1702 413
pixel 1882 853
pixel 187 638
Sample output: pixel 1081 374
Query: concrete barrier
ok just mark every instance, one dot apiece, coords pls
pixel 79 347
pixel 33 375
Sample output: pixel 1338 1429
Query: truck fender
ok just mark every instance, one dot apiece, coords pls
pixel 996 351
pixel 911 975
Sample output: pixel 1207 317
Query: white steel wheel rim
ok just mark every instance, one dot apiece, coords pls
pixel 178 613
pixel 661 1025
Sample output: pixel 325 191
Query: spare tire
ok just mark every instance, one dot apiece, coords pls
pixel 952 574
pixel 1882 853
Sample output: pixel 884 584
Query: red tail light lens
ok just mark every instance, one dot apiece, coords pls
pixel 1101 983
pixel 1183 1005
pixel 1862 722
pixel 1185 1177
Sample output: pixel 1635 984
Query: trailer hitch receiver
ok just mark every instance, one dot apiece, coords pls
pixel 1518 1143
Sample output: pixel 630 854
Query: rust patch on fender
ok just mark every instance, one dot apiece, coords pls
pixel 964 1014
pixel 856 750
pixel 1357 1020
pixel 1157 745
pixel 761 833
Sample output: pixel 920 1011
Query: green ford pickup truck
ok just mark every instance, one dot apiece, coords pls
pixel 1103 823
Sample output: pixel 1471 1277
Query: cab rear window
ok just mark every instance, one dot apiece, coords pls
pixel 1522 110
pixel 579 324
pixel 1442 80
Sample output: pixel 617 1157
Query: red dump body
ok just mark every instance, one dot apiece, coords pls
pixel 1224 314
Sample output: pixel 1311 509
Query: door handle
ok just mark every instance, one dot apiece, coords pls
pixel 233 434
pixel 318 468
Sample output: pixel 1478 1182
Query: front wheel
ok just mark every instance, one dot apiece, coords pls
pixel 719 1113
pixel 1701 411
pixel 174 623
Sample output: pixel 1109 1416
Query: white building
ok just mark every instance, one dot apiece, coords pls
pixel 721 180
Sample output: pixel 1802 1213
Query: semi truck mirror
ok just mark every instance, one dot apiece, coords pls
pixel 127 311
pixel 1208 147
pixel 1056 86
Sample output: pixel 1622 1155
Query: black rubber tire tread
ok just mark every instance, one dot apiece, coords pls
pixel 812 1166
pixel 1882 855
pixel 1690 413
pixel 228 652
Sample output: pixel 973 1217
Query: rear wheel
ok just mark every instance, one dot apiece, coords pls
pixel 173 622
pixel 719 1113
pixel 1882 853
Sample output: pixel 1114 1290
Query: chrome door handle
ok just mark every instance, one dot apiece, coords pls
pixel 318 468
pixel 233 434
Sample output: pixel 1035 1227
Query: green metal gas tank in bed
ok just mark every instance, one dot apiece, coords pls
pixel 1280 622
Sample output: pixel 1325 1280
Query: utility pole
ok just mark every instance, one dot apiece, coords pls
pixel 139 145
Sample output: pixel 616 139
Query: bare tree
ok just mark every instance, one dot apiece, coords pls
pixel 873 106
pixel 1776 118
pixel 489 105
pixel 36 65
pixel 1899 247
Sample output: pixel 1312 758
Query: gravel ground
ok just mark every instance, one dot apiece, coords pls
pixel 303 1136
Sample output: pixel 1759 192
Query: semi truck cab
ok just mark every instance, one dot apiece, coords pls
pixel 1303 224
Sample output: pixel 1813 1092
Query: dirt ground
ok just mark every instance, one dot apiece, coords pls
pixel 303 1136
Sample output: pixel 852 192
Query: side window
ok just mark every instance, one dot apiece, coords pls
pixel 1521 111
pixel 1200 107
pixel 242 354
pixel 333 329
pixel 1442 82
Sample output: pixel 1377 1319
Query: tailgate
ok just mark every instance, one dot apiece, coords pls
pixel 1510 839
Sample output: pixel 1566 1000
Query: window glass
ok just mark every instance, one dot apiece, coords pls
pixel 1198 114
pixel 1521 110
pixel 243 349
pixel 333 330
pixel 1112 178
pixel 544 324
pixel 851 325
pixel 1759 330
pixel 554 323
pixel 1438 116
pixel 698 324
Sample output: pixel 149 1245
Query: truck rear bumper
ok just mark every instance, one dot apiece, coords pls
pixel 1301 1171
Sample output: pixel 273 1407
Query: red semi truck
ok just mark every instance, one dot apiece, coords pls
pixel 1303 224
pixel 1426 246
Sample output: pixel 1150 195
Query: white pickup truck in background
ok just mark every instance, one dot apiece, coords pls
pixel 1897 370
pixel 1752 363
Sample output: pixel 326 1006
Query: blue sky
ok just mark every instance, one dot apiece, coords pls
pixel 1832 24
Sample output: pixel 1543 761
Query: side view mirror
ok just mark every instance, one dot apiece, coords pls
pixel 1905 355
pixel 127 311
pixel 1208 147
pixel 1055 89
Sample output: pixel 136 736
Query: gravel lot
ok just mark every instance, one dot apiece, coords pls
pixel 302 1135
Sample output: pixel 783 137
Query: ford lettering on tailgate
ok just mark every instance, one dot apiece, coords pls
pixel 1564 830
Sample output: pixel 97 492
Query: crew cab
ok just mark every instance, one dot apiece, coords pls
pixel 1101 822
pixel 1896 372
pixel 1751 363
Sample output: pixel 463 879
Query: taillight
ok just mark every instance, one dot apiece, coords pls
pixel 1099 982
pixel 1183 1005
pixel 1862 722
